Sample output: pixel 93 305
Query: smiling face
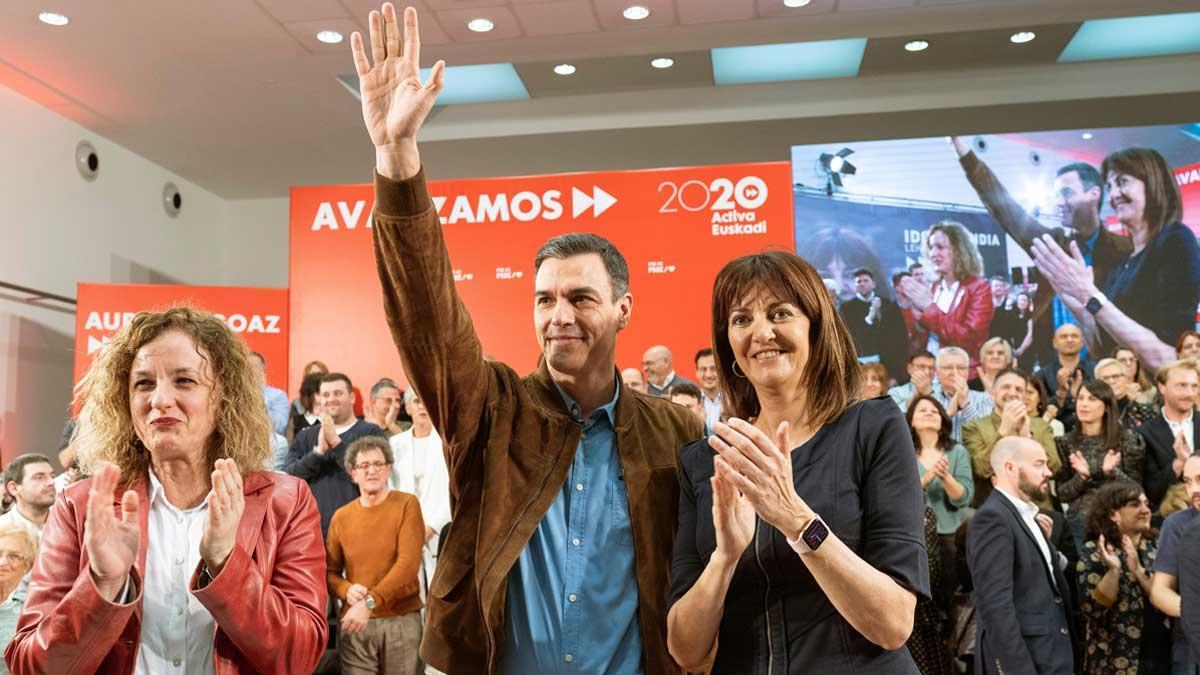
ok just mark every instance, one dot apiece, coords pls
pixel 1133 517
pixel 925 416
pixel 769 339
pixel 1127 197
pixel 873 385
pixel 1008 388
pixel 1179 391
pixel 575 317
pixel 172 397
pixel 1128 359
pixel 1023 302
pixel 1032 398
pixel 1076 205
pixel 706 372
pixel 941 254
pixel 15 559
pixel 337 399
pixel 1113 374
pixel 864 285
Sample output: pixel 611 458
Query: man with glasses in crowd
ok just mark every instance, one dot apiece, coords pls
pixel 372 558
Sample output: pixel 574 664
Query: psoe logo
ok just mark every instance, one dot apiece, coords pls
pixel 460 275
pixel 659 267
pixel 508 273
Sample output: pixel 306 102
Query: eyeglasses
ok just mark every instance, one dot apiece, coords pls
pixel 369 466
pixel 8 556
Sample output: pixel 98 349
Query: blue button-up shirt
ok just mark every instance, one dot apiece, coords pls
pixel 978 405
pixel 573 596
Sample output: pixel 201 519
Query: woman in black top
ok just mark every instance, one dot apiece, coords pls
pixel 1151 298
pixel 806 560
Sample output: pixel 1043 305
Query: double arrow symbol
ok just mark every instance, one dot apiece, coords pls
pixel 599 201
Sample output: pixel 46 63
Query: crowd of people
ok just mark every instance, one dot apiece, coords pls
pixel 975 478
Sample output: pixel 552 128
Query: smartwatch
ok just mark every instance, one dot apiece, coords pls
pixel 1096 303
pixel 811 537
pixel 370 601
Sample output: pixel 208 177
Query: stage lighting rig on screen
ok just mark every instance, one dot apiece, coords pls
pixel 833 167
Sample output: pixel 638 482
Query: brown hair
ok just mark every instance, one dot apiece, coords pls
pixel 880 372
pixel 1165 372
pixel 1110 424
pixel 945 441
pixel 105 431
pixel 319 364
pixel 831 358
pixel 1184 336
pixel 1163 203
pixel 1105 501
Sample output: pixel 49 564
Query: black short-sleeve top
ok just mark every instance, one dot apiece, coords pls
pixel 859 473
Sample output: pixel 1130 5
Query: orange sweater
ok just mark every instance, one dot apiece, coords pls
pixel 380 548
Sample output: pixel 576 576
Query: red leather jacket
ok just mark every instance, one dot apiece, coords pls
pixel 967 323
pixel 268 601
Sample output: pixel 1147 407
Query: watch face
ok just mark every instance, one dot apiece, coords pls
pixel 815 534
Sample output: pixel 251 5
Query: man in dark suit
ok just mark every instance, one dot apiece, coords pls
pixel 1021 593
pixel 1170 436
pixel 876 324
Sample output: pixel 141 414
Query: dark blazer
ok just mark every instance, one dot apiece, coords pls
pixel 1023 621
pixel 882 337
pixel 1158 475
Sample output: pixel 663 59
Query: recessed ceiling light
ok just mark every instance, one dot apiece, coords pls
pixel 1087 136
pixel 662 62
pixel 329 37
pixel 480 25
pixel 795 3
pixel 635 12
pixel 564 69
pixel 1023 37
pixel 917 46
pixel 54 18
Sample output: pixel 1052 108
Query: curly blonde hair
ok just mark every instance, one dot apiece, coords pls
pixel 968 262
pixel 105 431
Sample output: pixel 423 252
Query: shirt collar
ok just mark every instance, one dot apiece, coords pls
pixel 1186 420
pixel 609 409
pixel 865 298
pixel 1026 509
pixel 156 492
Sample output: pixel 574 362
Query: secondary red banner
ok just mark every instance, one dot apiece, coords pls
pixel 258 315
pixel 676 228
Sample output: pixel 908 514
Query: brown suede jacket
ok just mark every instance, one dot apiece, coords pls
pixel 509 443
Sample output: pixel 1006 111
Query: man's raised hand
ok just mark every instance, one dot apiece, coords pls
pixel 394 100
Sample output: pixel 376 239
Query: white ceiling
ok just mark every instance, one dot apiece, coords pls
pixel 239 96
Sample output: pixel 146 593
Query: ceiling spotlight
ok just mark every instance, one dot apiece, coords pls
pixel 1023 37
pixel 329 37
pixel 662 62
pixel 1087 136
pixel 917 46
pixel 795 3
pixel 54 18
pixel 480 25
pixel 564 69
pixel 635 12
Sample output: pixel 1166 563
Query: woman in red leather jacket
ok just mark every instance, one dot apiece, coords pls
pixel 958 309
pixel 180 554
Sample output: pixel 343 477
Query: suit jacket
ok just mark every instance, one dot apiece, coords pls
pixel 1189 585
pixel 884 337
pixel 509 442
pixel 1023 622
pixel 268 601
pixel 1158 475
pixel 1110 249
pixel 968 321
pixel 980 437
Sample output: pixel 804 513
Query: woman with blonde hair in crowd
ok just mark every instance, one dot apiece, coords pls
pixel 1140 382
pixel 875 380
pixel 994 356
pixel 958 309
pixel 800 543
pixel 179 554
pixel 18 550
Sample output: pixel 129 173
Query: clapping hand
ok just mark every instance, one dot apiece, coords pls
pixel 1080 464
pixel 917 293
pixel 941 468
pixel 327 436
pixel 1013 418
pixel 1112 460
pixel 389 417
pixel 111 540
pixel 732 514
pixel 1182 451
pixel 1071 277
pixel 226 503
pixel 395 102
pixel 762 471
pixel 1132 561
pixel 1108 555
pixel 922 382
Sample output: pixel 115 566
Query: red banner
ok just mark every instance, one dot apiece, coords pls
pixel 676 228
pixel 259 315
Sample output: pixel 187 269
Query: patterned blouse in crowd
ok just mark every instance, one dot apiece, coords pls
pixel 1135 414
pixel 1072 486
pixel 1131 637
pixel 926 643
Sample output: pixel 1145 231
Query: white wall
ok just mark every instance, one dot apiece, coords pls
pixel 57 229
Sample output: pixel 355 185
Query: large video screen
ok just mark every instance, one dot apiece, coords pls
pixel 952 241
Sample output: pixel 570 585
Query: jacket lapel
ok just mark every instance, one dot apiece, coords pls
pixel 255 509
pixel 1053 578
